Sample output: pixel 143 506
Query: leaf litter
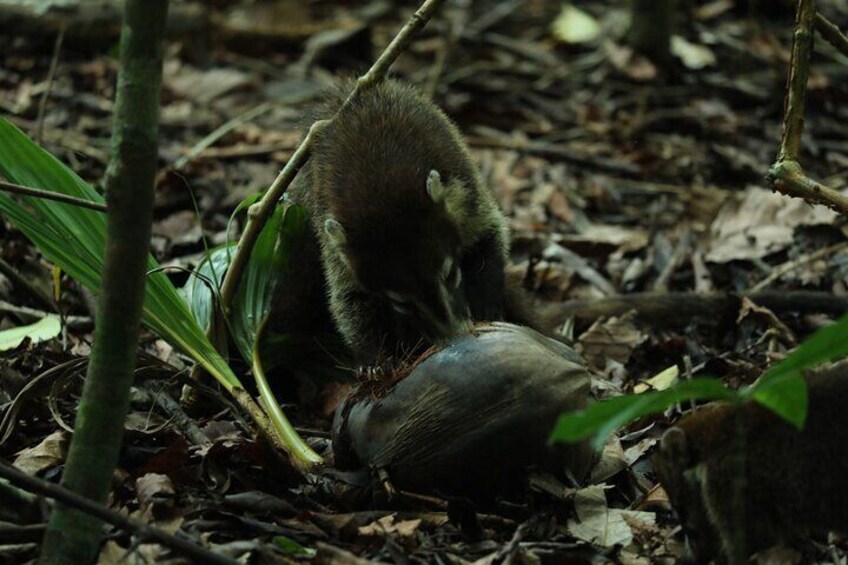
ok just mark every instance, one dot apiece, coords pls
pixel 600 158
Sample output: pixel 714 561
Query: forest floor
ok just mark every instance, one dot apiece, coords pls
pixel 617 175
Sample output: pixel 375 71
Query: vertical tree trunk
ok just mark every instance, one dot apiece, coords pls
pixel 74 537
pixel 651 26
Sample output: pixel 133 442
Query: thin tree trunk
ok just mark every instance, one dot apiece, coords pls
pixel 72 536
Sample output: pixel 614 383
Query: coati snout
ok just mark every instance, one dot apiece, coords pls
pixel 424 290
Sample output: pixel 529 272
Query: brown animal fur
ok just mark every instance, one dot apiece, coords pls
pixel 388 230
pixel 742 479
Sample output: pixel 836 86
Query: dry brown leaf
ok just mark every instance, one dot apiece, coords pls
pixel 610 463
pixel 600 525
pixel 154 488
pixel 629 63
pixel 50 452
pixel 759 223
pixel 615 338
pixel 202 86
pixel 387 526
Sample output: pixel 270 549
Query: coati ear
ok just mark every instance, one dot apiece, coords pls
pixel 335 232
pixel 674 447
pixel 435 188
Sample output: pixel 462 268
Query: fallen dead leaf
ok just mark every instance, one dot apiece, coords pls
pixel 202 86
pixel 692 55
pixel 610 463
pixel 615 338
pixel 154 488
pixel 629 63
pixel 573 26
pixel 600 525
pixel 660 381
pixel 50 452
pixel 760 223
pixel 387 526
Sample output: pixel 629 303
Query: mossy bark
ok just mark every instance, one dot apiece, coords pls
pixel 72 536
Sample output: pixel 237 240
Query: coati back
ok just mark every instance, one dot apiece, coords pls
pixel 742 479
pixel 412 245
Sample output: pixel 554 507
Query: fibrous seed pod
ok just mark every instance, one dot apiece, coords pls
pixel 470 417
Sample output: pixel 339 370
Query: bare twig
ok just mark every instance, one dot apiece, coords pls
pixel 799 70
pixel 50 195
pixel 788 178
pixel 51 75
pixel 207 141
pixel 787 175
pixel 261 211
pixel 65 496
pixel 456 23
pixel 795 263
pixel 831 34
pixel 681 251
pixel 24 283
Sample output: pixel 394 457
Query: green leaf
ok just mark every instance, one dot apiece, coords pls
pixel 269 262
pixel 74 238
pixel 291 547
pixel 46 328
pixel 785 395
pixel 602 418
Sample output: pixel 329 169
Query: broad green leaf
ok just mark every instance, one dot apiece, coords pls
pixel 785 395
pixel 201 290
pixel 46 328
pixel 269 261
pixel 74 238
pixel 603 418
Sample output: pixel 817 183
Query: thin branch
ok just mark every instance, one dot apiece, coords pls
pixel 139 529
pixel 796 263
pixel 26 284
pixel 831 34
pixel 788 178
pixel 220 132
pixel 49 195
pixel 799 70
pixel 261 211
pixel 51 75
pixel 787 175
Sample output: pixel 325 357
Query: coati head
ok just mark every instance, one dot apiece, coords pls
pixel 408 255
pixel 682 478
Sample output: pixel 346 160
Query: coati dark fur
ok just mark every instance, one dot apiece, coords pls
pixel 406 243
pixel 742 479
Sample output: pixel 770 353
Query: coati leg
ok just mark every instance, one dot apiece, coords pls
pixel 483 279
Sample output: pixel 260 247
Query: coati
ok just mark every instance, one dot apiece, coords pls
pixel 742 479
pixel 406 245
